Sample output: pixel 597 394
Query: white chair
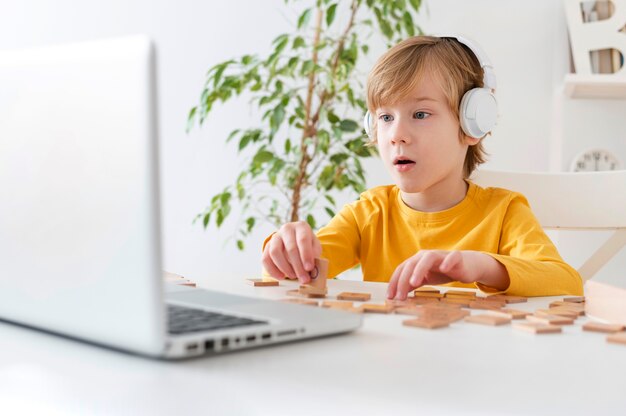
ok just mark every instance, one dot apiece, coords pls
pixel 572 201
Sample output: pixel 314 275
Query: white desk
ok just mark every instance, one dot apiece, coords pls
pixel 382 368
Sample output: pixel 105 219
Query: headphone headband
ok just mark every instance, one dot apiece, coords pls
pixel 489 76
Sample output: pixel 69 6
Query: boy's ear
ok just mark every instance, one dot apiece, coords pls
pixel 470 141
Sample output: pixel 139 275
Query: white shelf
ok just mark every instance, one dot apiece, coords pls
pixel 603 86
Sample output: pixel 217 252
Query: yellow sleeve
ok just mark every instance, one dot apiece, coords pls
pixel 534 265
pixel 340 240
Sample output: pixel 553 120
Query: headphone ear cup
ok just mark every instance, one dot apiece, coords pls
pixel 367 124
pixel 478 112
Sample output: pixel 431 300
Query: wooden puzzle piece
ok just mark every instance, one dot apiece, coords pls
pixel 426 323
pixel 377 308
pixel 508 299
pixel 443 314
pixel 513 313
pixel 554 312
pixel 262 282
pixel 354 296
pixel 427 294
pixel 463 301
pixel 537 327
pixel 460 293
pixel 486 319
pixel 486 304
pixel 550 320
pixel 617 338
pixel 602 327
pixel 319 274
pixel 574 299
pixel 337 304
pixel 408 310
pixel 427 289
pixel 421 301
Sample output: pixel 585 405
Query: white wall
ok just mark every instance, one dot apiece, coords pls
pixel 526 41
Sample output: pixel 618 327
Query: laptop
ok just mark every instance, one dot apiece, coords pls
pixel 79 214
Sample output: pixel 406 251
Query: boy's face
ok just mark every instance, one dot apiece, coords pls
pixel 418 139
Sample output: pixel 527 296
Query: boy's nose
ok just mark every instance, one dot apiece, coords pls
pixel 401 134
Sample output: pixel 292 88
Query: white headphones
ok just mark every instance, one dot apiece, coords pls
pixel 478 111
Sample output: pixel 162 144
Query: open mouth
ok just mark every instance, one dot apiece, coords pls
pixel 401 160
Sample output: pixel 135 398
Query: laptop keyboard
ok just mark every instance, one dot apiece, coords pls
pixel 183 320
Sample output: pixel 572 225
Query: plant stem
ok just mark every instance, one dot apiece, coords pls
pixel 307 130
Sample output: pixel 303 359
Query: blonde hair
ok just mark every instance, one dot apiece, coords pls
pixel 401 68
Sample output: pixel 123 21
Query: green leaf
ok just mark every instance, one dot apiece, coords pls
pixel 311 220
pixel 262 156
pixel 240 245
pixel 206 219
pixel 408 24
pixel 191 118
pixel 329 211
pixel 250 224
pixel 348 125
pixel 332 117
pixel 330 14
pixel 304 18
pixel 298 42
pixel 330 199
pixel 415 4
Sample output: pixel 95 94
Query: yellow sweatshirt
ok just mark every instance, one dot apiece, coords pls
pixel 380 232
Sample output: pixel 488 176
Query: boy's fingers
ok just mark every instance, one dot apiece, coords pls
pixel 393 282
pixel 270 267
pixel 427 263
pixel 304 240
pixel 453 259
pixel 293 256
pixel 317 247
pixel 404 284
pixel 277 253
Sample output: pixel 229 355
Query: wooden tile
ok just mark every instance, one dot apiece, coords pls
pixel 569 310
pixel 513 313
pixel 294 292
pixel 556 312
pixel 262 282
pixel 312 290
pixel 425 323
pixel 399 303
pixel 443 314
pixel 617 338
pixel 427 294
pixel 408 310
pixel 463 301
pixel 486 319
pixel 376 308
pixel 550 320
pixel 537 328
pixel 427 289
pixel 337 304
pixel 486 304
pixel 453 293
pixel 508 299
pixel 442 305
pixel 301 301
pixel 354 296
pixel 575 299
pixel 319 274
pixel 602 327
pixel 421 300
pixel 570 305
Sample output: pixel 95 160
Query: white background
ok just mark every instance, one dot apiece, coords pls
pixel 526 41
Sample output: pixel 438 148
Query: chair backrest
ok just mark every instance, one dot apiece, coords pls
pixel 574 201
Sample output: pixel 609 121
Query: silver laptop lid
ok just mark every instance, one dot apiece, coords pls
pixel 79 220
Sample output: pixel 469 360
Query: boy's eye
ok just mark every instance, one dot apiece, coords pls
pixel 386 118
pixel 420 115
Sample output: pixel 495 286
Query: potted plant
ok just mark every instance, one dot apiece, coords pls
pixel 309 141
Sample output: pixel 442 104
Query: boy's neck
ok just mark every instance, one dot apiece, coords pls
pixel 439 197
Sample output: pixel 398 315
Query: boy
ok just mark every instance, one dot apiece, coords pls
pixel 434 226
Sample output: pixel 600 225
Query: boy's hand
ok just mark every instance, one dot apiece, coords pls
pixel 438 266
pixel 291 252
